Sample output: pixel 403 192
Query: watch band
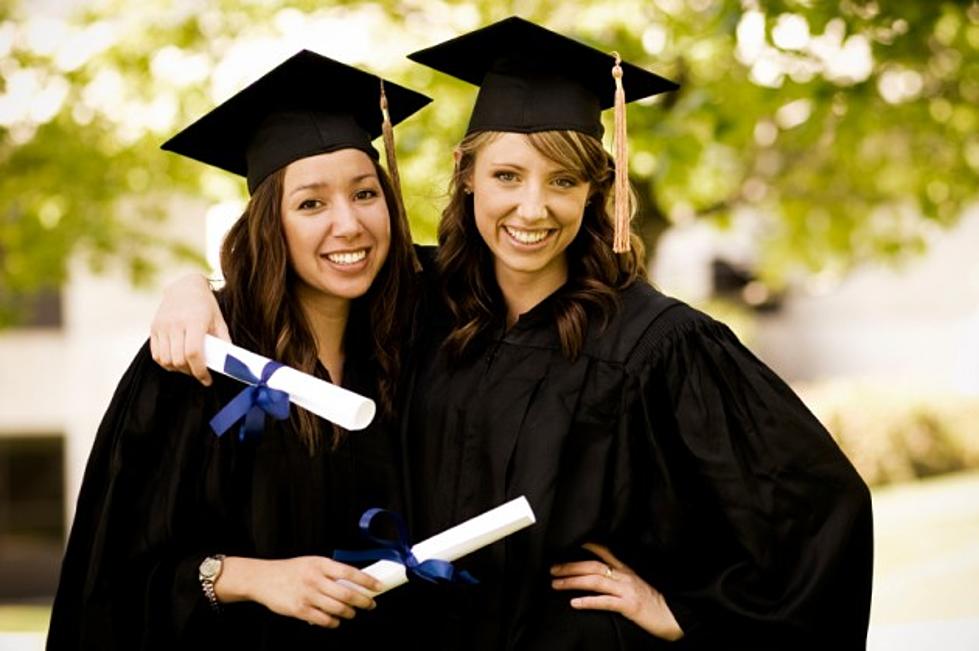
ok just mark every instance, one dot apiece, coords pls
pixel 208 572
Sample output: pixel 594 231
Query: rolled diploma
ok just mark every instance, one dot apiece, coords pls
pixel 452 544
pixel 347 409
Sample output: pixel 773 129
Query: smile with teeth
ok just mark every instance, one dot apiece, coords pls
pixel 347 257
pixel 525 236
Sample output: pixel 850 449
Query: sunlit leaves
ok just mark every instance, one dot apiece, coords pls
pixel 846 128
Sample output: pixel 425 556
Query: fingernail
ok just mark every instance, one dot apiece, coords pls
pixel 576 603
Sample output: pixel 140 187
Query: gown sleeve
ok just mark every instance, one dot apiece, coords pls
pixel 761 528
pixel 141 527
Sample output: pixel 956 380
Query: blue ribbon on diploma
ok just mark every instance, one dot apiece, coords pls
pixel 399 551
pixel 253 402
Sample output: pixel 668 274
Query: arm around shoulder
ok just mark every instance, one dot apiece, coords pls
pixel 188 311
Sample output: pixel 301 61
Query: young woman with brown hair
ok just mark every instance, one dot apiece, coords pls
pixel 183 539
pixel 594 272
pixel 685 497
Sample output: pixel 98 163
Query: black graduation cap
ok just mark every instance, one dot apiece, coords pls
pixel 307 105
pixel 532 79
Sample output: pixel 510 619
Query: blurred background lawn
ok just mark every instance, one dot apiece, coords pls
pixel 813 184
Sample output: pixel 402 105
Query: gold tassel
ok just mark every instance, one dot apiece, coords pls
pixel 622 239
pixel 392 161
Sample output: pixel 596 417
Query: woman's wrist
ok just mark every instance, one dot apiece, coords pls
pixel 238 579
pixel 671 627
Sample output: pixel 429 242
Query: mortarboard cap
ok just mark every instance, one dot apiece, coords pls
pixel 532 79
pixel 307 105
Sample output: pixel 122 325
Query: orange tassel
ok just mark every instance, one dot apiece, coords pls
pixel 622 240
pixel 392 161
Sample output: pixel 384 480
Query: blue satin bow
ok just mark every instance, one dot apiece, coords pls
pixel 399 551
pixel 253 402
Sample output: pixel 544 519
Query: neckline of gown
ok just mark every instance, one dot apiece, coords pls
pixel 536 326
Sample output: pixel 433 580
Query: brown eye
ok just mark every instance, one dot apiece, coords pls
pixel 364 195
pixel 506 177
pixel 310 204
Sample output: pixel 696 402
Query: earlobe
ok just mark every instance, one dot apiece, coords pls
pixel 467 182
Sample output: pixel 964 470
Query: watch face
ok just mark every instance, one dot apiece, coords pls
pixel 210 567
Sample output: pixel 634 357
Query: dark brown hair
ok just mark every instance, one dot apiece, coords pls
pixel 595 273
pixel 264 313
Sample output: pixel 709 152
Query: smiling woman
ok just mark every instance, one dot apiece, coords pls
pixel 183 539
pixel 336 224
pixel 528 209
pixel 531 198
pixel 685 498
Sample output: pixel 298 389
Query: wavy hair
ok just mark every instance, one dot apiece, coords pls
pixel 264 313
pixel 595 273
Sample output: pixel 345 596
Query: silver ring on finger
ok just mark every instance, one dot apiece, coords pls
pixel 609 573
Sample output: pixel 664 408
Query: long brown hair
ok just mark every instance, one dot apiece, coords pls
pixel 264 313
pixel 595 273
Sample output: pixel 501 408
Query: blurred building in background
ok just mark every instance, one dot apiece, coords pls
pixel 59 370
pixel 915 324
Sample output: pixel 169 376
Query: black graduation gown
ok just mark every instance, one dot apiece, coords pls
pixel 161 492
pixel 667 441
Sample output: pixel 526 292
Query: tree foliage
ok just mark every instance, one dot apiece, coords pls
pixel 843 131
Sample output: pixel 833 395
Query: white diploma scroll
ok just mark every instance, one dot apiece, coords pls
pixel 347 409
pixel 452 544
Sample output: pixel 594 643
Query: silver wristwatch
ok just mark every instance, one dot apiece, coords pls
pixel 208 573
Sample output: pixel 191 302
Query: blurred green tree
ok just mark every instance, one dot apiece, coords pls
pixel 847 130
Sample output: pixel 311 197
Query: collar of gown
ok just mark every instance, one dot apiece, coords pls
pixel 536 326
